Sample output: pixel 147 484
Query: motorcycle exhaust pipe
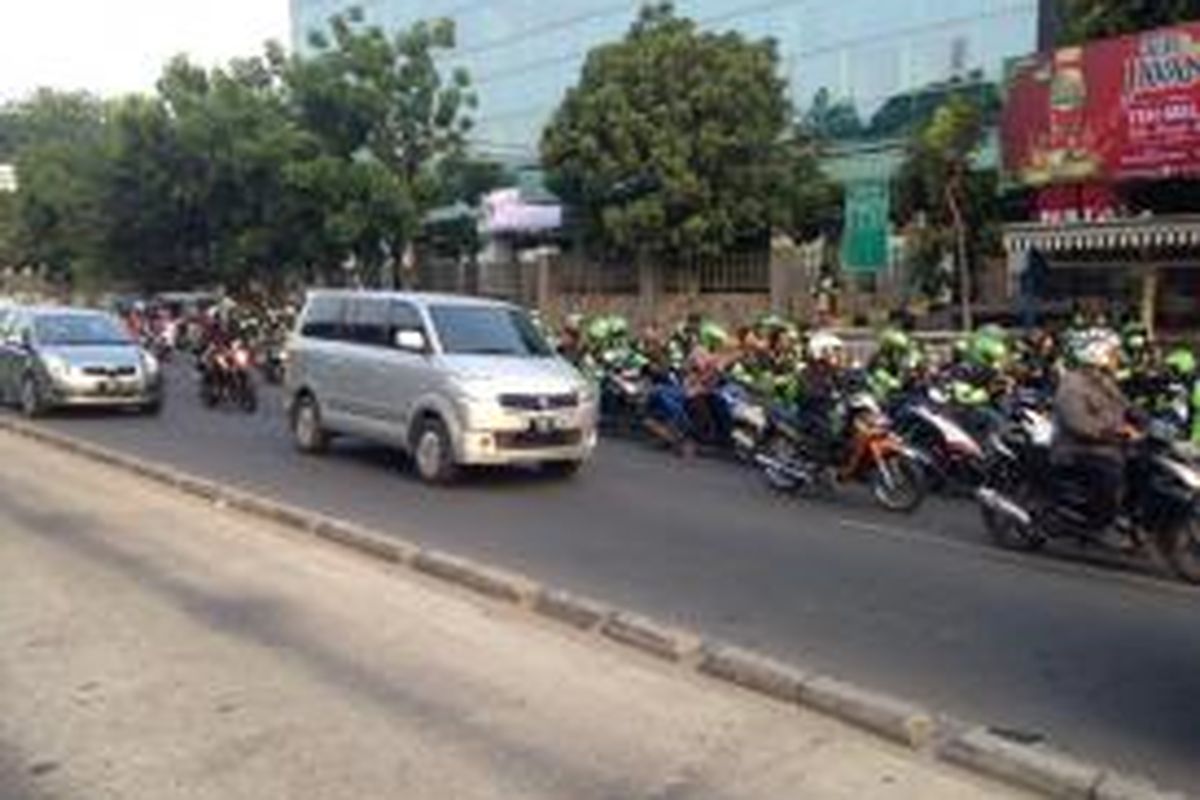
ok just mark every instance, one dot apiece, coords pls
pixel 997 502
pixel 790 470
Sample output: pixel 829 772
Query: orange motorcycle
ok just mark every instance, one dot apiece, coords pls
pixel 799 453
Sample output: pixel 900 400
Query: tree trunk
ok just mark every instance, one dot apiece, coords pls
pixel 960 247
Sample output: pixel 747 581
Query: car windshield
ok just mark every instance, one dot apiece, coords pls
pixel 79 329
pixel 487 330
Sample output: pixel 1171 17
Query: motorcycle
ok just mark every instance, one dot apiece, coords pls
pixel 271 364
pixel 954 461
pixel 869 451
pixel 225 376
pixel 1035 501
pixel 623 399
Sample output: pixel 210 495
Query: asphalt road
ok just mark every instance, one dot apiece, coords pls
pixel 150 652
pixel 1103 661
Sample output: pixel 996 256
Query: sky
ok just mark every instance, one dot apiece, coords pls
pixel 116 46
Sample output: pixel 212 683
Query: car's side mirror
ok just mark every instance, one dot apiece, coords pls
pixel 411 341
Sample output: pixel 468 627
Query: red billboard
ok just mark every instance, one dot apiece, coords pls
pixel 1114 110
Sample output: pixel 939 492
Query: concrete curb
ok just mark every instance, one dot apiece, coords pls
pixel 979 750
pixel 651 637
pixel 578 612
pixel 495 583
pixel 754 672
pixel 1037 768
pixel 887 716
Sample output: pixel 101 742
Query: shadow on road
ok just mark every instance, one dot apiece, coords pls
pixel 267 621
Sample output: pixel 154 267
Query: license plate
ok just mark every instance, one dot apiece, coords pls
pixel 544 425
pixel 104 387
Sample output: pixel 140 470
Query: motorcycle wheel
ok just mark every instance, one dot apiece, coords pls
pixel 208 392
pixel 1008 533
pixel 898 484
pixel 1179 549
pixel 248 399
pixel 782 449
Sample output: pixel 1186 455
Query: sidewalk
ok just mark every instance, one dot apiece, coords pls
pixel 153 647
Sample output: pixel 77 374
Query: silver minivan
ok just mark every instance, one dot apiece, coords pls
pixel 453 381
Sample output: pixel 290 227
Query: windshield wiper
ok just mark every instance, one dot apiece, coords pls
pixel 491 351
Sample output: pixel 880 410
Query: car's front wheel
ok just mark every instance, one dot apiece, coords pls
pixel 433 452
pixel 32 403
pixel 309 434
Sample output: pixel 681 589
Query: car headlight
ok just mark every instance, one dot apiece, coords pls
pixel 588 393
pixel 477 391
pixel 57 366
pixel 149 363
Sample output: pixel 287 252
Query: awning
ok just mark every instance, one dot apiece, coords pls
pixel 1139 234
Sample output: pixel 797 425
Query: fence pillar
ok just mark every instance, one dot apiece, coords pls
pixel 649 289
pixel 544 288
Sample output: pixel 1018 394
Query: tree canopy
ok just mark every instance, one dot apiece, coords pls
pixel 941 196
pixel 675 141
pixel 260 171
pixel 1084 20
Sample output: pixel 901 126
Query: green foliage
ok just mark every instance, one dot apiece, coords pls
pixel 832 120
pixel 58 143
pixel 941 195
pixel 673 141
pixel 259 172
pixel 1084 20
pixel 384 119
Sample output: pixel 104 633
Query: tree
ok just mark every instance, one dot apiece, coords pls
pixel 807 203
pixel 940 191
pixel 59 146
pixel 832 120
pixel 669 144
pixel 384 118
pixel 1084 20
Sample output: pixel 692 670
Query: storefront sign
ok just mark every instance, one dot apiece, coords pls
pixel 1118 109
pixel 865 240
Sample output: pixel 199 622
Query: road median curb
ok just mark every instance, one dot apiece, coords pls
pixel 887 716
pixel 754 672
pixel 495 583
pixel 978 750
pixel 651 637
pixel 578 612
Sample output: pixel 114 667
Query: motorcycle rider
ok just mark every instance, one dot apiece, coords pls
pixel 979 380
pixel 820 402
pixel 1177 394
pixel 892 367
pixel 703 369
pixel 1090 413
pixel 1139 375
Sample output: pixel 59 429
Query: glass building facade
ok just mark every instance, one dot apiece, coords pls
pixel 859 67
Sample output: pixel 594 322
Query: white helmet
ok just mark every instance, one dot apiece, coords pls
pixel 824 346
pixel 1099 349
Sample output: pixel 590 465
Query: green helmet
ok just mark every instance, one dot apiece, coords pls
pixel 770 322
pixel 894 340
pixel 1134 337
pixel 618 326
pixel 713 336
pixel 989 352
pixel 1181 362
pixel 597 329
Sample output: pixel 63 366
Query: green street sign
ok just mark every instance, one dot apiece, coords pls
pixel 865 239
